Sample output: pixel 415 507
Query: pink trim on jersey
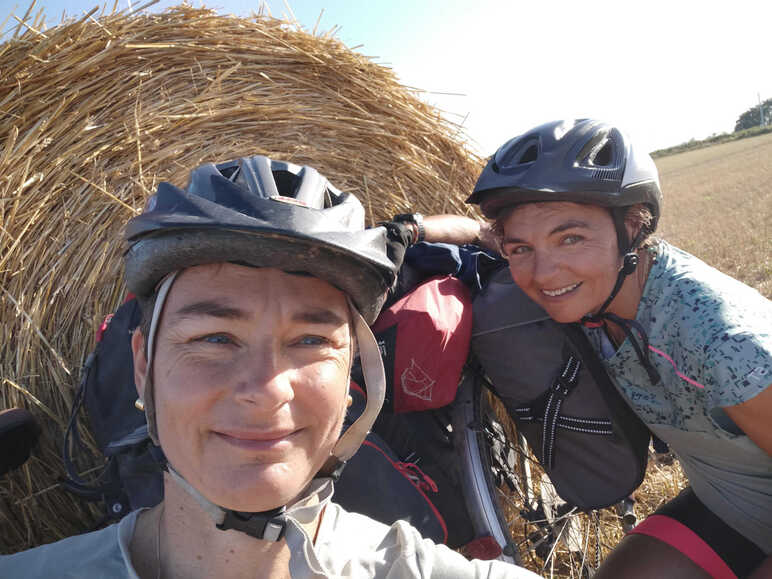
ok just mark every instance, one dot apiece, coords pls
pixel 687 542
pixel 677 371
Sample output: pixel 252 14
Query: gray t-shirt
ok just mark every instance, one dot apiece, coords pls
pixel 348 545
pixel 710 339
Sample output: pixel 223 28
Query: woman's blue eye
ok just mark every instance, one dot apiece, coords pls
pixel 312 341
pixel 216 339
pixel 519 250
pixel 571 239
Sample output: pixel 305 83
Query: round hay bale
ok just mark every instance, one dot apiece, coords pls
pixel 94 113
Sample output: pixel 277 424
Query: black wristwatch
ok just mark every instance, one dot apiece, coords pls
pixel 415 219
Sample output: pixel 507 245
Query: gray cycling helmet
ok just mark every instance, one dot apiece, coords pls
pixel 584 161
pixel 263 213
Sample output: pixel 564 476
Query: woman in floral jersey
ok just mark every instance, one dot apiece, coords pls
pixel 574 204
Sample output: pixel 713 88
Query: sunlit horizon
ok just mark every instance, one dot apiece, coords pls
pixel 666 72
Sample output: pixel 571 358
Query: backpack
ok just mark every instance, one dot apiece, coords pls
pixel 589 441
pixel 132 476
pixel 424 341
pixel 377 481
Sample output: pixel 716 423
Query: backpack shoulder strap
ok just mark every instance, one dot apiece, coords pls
pixel 627 421
pixel 553 383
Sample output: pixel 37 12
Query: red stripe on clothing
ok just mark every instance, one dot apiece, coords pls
pixel 354 386
pixel 437 514
pixel 687 542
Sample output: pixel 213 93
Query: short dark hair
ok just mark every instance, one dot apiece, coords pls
pixel 641 217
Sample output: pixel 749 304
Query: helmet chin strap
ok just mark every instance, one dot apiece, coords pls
pixel 149 393
pixel 600 318
pixel 271 525
pixel 629 265
pixel 268 525
pixel 375 385
pixel 627 249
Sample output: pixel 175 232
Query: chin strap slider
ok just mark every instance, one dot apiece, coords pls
pixel 268 525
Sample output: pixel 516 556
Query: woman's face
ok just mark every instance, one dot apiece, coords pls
pixel 563 255
pixel 251 381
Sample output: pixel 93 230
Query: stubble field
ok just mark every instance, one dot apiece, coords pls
pixel 718 206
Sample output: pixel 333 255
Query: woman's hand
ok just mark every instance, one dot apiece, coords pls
pixel 488 239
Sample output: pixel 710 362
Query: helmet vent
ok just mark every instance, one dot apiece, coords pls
pixel 604 156
pixel 287 183
pixel 513 155
pixel 230 172
pixel 530 154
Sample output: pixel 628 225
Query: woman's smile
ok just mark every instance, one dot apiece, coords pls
pixel 564 291
pixel 564 256
pixel 275 442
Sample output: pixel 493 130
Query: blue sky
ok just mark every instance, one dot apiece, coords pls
pixel 666 71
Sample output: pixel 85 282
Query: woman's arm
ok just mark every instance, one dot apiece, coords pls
pixel 754 417
pixel 459 230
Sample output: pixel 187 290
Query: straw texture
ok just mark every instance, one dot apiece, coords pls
pixel 95 113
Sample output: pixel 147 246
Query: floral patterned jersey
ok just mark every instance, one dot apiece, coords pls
pixel 710 338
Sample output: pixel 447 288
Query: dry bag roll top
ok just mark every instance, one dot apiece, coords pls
pixel 424 340
pixel 581 429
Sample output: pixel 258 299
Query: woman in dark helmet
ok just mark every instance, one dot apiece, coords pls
pixel 257 283
pixel 574 204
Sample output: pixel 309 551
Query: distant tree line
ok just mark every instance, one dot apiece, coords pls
pixel 714 140
pixel 752 117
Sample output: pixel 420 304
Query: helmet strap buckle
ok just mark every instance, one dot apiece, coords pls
pixel 630 263
pixel 268 525
pixel 333 468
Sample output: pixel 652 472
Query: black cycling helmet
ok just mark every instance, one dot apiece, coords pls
pixel 263 213
pixel 584 161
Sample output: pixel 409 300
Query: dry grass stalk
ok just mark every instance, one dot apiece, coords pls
pixel 95 112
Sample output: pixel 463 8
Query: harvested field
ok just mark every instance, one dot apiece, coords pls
pixel 718 206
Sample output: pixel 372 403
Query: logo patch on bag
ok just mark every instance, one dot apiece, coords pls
pixel 426 335
pixel 416 382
